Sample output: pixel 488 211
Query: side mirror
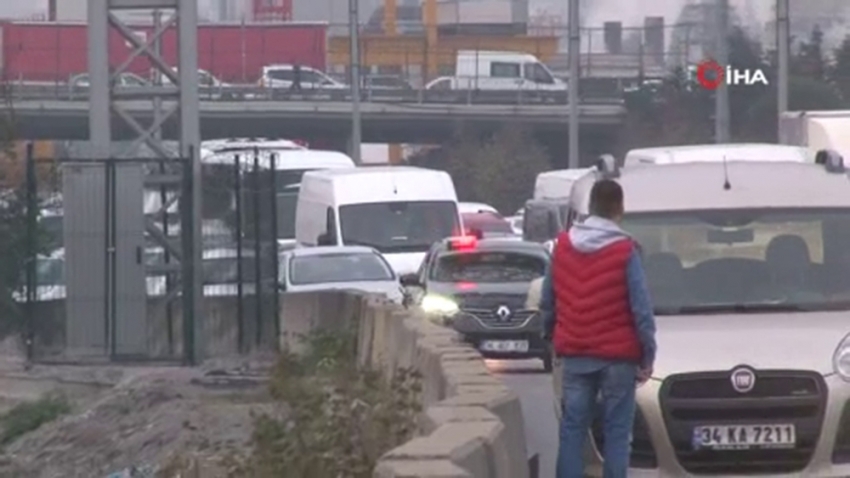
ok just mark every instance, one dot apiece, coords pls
pixel 410 280
pixel 324 239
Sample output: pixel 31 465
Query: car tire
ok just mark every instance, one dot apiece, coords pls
pixel 547 363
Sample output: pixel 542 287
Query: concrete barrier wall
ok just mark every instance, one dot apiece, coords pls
pixel 472 424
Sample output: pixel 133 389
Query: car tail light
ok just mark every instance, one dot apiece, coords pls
pixel 841 448
pixel 463 243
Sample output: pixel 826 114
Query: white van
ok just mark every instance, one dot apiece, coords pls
pixel 558 184
pixel 398 210
pixel 218 160
pixel 716 153
pixel 503 71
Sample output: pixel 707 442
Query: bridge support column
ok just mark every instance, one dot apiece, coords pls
pixel 87 331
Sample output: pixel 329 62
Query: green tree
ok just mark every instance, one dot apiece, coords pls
pixel 803 94
pixel 14 240
pixel 744 54
pixel 840 71
pixel 498 169
pixel 682 112
pixel 810 61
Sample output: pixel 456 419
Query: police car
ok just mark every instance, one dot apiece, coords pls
pixel 748 266
pixel 480 287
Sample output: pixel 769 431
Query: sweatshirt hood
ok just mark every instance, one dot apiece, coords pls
pixel 594 233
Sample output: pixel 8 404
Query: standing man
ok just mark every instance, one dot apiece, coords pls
pixel 598 314
pixel 296 78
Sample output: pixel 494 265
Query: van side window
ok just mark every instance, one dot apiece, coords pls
pixel 536 73
pixel 330 225
pixel 311 77
pixel 504 70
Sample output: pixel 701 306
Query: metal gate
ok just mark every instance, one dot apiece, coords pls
pixel 103 276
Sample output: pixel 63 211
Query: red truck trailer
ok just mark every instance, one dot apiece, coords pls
pixel 235 53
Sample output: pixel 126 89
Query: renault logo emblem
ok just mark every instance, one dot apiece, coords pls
pixel 743 380
pixel 503 312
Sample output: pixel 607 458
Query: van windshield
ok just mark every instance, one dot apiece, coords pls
pixel 398 226
pixel 741 260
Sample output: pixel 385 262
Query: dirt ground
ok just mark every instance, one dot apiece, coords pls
pixel 146 421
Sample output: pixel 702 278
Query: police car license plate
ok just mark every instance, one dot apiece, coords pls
pixel 742 437
pixel 504 346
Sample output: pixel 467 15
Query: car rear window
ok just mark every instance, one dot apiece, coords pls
pixel 488 267
pixel 330 268
pixel 487 223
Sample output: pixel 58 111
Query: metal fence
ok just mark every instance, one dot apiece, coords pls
pixel 239 236
pixel 106 258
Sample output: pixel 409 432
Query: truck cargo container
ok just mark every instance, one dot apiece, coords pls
pixel 235 53
pixel 816 130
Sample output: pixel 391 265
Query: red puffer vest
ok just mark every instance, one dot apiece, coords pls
pixel 592 309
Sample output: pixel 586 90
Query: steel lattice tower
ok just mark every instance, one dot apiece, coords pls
pixel 175 103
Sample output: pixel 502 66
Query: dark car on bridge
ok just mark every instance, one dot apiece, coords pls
pixel 481 288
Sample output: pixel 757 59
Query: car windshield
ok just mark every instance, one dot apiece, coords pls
pixel 745 259
pixel 50 272
pixel 226 271
pixel 488 267
pixel 344 267
pixel 400 226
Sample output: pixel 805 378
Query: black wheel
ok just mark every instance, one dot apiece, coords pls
pixel 547 364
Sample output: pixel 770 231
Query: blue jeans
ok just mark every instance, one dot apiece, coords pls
pixel 616 382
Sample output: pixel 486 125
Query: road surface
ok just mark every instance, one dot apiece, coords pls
pixel 534 388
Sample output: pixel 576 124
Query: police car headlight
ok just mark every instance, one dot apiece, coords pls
pixel 841 359
pixel 435 304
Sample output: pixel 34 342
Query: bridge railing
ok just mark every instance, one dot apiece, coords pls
pixel 454 90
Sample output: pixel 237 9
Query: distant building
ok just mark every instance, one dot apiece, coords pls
pixel 208 11
pixel 408 20
pixel 459 17
pixel 335 12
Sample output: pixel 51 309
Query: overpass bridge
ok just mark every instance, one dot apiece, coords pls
pixel 323 120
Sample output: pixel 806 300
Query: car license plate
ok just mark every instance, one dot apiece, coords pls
pixel 504 346
pixel 742 437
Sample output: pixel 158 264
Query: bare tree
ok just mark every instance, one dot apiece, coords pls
pixel 499 170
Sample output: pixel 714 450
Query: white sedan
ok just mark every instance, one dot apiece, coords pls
pixel 354 268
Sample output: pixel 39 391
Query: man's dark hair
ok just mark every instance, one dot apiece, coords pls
pixel 606 199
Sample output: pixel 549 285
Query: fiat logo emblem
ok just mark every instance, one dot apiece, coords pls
pixel 503 312
pixel 743 380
